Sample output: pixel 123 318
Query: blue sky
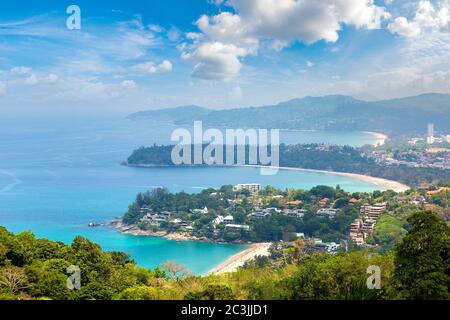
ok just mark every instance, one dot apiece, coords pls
pixel 133 55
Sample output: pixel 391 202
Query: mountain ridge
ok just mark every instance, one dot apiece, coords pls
pixel 332 112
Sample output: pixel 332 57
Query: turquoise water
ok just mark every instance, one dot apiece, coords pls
pixel 57 177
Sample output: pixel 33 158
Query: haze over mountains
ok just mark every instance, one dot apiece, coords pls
pixel 338 113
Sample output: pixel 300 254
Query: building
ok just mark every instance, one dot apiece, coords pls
pixel 327 212
pixel 237 227
pixel 368 227
pixel 430 135
pixel 253 188
pixel 201 211
pixel 261 214
pixel 228 220
pixel 373 211
pixel 295 213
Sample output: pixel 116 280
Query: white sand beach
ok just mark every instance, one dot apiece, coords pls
pixel 380 139
pixel 383 183
pixel 239 259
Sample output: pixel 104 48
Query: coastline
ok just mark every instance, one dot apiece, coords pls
pixel 380 138
pixel 384 183
pixel 239 259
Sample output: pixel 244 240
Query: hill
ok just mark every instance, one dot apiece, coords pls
pixel 408 115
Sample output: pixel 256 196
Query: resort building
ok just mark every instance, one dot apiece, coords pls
pixel 373 211
pixel 237 227
pixel 253 188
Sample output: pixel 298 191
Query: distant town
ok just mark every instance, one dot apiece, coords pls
pixel 429 151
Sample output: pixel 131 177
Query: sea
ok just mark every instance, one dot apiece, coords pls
pixel 57 176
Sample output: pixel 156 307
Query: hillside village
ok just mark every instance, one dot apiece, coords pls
pixel 329 219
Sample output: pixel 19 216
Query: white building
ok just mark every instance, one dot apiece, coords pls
pixel 237 227
pixel 253 188
pixel 201 211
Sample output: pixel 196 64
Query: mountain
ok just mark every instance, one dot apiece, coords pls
pixel 184 113
pixel 339 113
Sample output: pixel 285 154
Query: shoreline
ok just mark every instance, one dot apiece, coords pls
pixel 384 183
pixel 380 138
pixel 239 259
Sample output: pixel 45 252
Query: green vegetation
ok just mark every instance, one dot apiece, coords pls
pixel 338 113
pixel 418 268
pixel 240 205
pixel 314 156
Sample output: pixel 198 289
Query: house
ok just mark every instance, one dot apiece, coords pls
pixel 261 214
pixel 327 212
pixel 295 203
pixel 201 211
pixel 300 235
pixel 332 247
pixel 237 227
pixel 228 220
pixel 295 213
pixel 176 221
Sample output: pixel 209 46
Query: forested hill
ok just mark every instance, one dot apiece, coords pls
pixel 398 116
pixel 313 156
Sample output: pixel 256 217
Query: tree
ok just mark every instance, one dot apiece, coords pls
pixel 175 270
pixel 212 292
pixel 14 278
pixel 422 266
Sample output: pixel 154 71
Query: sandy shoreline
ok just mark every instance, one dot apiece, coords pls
pixel 380 139
pixel 239 259
pixel 384 183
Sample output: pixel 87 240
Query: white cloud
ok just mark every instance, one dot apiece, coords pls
pixel 427 18
pixel 21 70
pixel 128 84
pixel 151 68
pixel 216 61
pixel 276 23
pixel 31 80
pixel 155 28
pixel 404 28
pixel 309 64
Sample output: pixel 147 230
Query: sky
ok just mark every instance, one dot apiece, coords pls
pixel 149 54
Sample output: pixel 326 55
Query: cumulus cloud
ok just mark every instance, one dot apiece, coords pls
pixel 21 70
pixel 216 61
pixel 427 17
pixel 276 23
pixel 151 68
pixel 31 80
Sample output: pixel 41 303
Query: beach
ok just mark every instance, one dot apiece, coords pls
pixel 383 183
pixel 239 259
pixel 380 139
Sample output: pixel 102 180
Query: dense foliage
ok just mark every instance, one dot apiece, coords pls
pixel 418 268
pixel 272 228
pixel 313 156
